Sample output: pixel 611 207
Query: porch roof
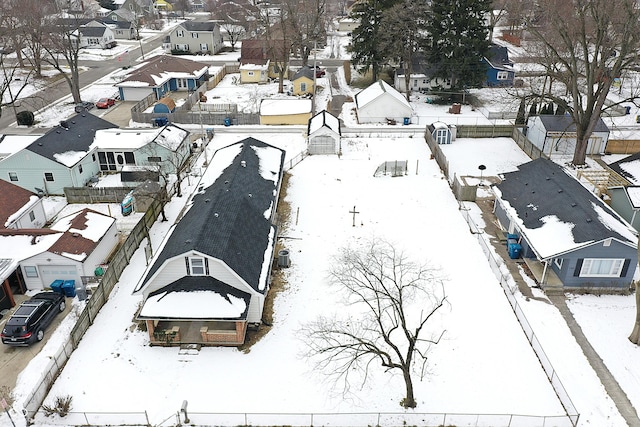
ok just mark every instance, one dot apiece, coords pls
pixel 196 298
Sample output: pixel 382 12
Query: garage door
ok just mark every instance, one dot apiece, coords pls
pixel 50 273
pixel 135 93
pixel 322 144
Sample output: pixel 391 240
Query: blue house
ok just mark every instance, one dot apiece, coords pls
pixel 500 70
pixel 576 240
pixel 161 75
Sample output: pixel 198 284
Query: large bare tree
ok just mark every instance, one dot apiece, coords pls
pixel 584 45
pixel 308 25
pixel 393 301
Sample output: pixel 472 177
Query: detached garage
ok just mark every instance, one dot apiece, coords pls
pixel 323 134
pixel 79 243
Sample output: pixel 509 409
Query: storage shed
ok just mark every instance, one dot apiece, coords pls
pixel 323 134
pixel 285 111
pixel 164 105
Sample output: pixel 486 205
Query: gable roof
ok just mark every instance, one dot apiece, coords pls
pixel 230 217
pixel 169 136
pixel 556 212
pixel 629 168
pixel 376 90
pixel 12 200
pixel 498 57
pixel 305 71
pixel 324 119
pixel 82 231
pixel 163 68
pixel 565 123
pixel 93 31
pixel 68 143
pixel 199 26
pixel 260 51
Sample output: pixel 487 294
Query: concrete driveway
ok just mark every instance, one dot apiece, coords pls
pixel 14 359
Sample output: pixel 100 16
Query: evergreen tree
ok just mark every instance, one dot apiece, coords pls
pixel 108 4
pixel 459 40
pixel 560 110
pixel 366 49
pixel 533 110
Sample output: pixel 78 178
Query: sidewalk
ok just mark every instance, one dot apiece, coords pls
pixel 613 389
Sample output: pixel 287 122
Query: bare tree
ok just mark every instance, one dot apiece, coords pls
pixel 13 82
pixel 232 16
pixel 584 45
pixel 398 297
pixel 635 334
pixel 308 25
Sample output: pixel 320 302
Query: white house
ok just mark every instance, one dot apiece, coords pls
pixel 380 102
pixel 556 134
pixel 20 208
pixel 73 247
pixel 323 134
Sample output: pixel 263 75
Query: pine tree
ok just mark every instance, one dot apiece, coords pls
pixel 366 50
pixel 521 111
pixel 533 110
pixel 459 40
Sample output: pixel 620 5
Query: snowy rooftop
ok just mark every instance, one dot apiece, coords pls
pixel 277 107
pixel 375 90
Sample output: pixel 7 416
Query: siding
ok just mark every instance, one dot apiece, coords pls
pixel 47 259
pixel 381 108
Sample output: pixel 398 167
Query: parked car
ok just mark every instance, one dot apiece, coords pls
pixel 319 72
pixel 27 324
pixel 84 105
pixel 105 102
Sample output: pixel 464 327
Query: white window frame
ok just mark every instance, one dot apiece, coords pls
pixel 442 136
pixel 30 271
pixel 502 75
pixel 13 176
pixel 250 73
pixel 194 35
pixel 197 270
pixel 179 33
pixel 558 262
pixel 595 267
pixel 32 216
pixel 303 86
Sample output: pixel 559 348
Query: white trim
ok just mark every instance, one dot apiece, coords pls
pixel 593 267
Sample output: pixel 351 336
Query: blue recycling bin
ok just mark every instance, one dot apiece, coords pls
pixel 227 121
pixel 69 288
pixel 161 121
pixel 406 121
pixel 56 286
pixel 513 247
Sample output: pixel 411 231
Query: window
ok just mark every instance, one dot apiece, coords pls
pixel 179 33
pixel 13 176
pixel 502 75
pixel 303 87
pixel 79 168
pixel 154 159
pixel 250 73
pixel 194 35
pixel 30 271
pixel 48 176
pixel 93 157
pixel 32 216
pixel 196 266
pixel 110 161
pixel 558 262
pixel 593 267
pixel 442 136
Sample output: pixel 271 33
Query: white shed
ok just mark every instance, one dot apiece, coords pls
pixel 323 134
pixel 380 102
pixel 556 134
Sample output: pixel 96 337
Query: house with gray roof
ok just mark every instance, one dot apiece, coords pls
pixel 196 37
pixel 556 135
pixel 96 37
pixel 160 75
pixel 208 281
pixel 61 158
pixel 567 233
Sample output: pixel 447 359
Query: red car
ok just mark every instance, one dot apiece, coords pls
pixel 105 102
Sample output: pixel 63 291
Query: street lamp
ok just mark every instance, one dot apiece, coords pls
pixel 482 168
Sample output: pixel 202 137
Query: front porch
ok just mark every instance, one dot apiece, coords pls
pixel 202 332
pixel 550 283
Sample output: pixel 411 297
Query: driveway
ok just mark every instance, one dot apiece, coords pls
pixel 13 360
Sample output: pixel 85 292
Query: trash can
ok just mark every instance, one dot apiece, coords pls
pixel 56 286
pixel 69 288
pixel 161 121
pixel 81 291
pixel 227 121
pixel 627 110
pixel 513 247
pixel 283 258
pixel 406 121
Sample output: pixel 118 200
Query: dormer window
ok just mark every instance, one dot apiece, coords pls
pixel 196 266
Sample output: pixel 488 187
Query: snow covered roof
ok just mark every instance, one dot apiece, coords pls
pixel 282 107
pixel 11 144
pixel 628 168
pixel 169 136
pixel 376 90
pixel 17 245
pixel 324 119
pixel 201 298
pixel 83 231
pixel 69 143
pixel 229 218
pixel 163 68
pixel 634 196
pixel 13 201
pixel 556 213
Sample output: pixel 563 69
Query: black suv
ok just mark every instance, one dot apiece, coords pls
pixel 26 325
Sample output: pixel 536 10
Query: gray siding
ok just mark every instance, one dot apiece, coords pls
pixel 620 203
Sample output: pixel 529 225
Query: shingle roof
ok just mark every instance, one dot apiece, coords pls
pixel 324 119
pixel 619 167
pixel 227 219
pixel 93 31
pixel 160 68
pixel 199 26
pixel 12 199
pixel 541 188
pixel 304 72
pixel 564 123
pixel 76 136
